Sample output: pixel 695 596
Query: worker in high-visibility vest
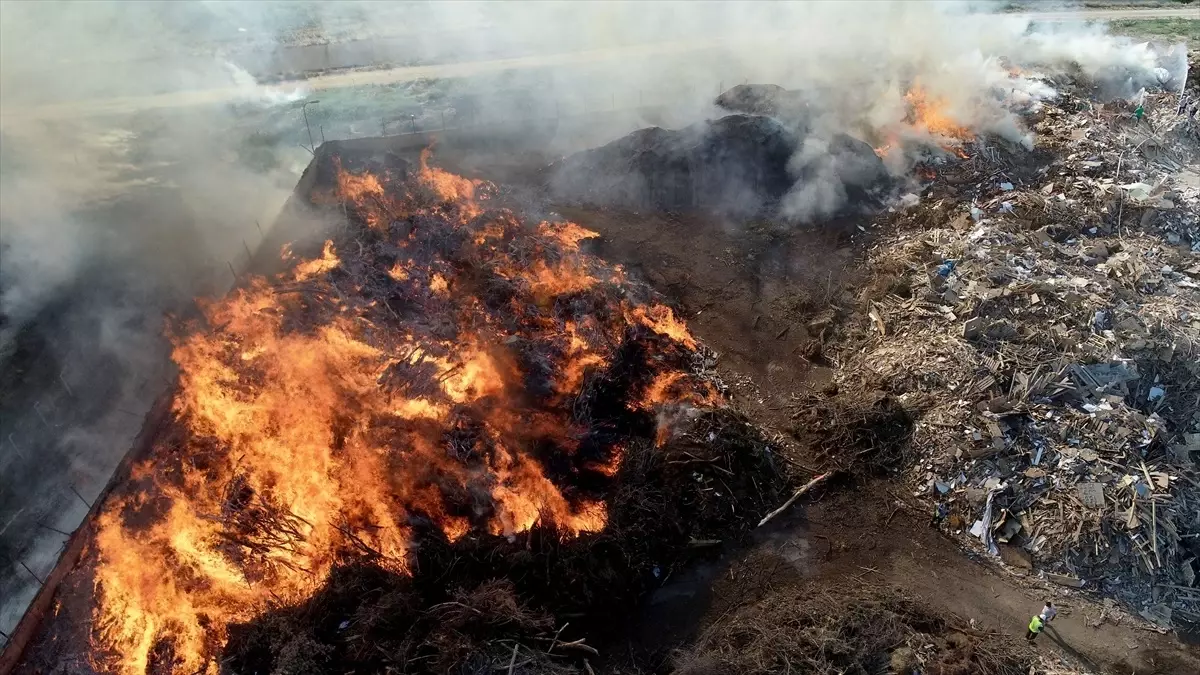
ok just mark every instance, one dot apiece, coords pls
pixel 1048 613
pixel 1035 626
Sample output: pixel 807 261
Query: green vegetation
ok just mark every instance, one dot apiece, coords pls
pixel 1163 29
pixel 257 151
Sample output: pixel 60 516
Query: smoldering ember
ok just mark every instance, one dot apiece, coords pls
pixel 780 389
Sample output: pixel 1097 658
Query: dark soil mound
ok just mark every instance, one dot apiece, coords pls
pixel 766 99
pixel 733 165
pixel 741 165
pixel 847 630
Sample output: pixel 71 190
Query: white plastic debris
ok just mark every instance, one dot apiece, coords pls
pixel 1156 393
pixel 1007 187
pixel 1138 191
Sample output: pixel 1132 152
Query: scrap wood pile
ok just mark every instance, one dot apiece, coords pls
pixel 1040 313
pixel 543 604
pixel 427 445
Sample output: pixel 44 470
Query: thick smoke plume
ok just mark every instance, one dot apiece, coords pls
pixel 107 223
pixel 125 129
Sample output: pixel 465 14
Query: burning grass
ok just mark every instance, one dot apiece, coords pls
pixel 419 448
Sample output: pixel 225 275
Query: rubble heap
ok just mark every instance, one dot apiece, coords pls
pixel 438 433
pixel 1040 312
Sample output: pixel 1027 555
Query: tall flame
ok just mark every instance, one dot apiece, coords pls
pixel 931 117
pixel 313 425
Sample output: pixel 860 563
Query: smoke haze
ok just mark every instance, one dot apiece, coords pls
pixel 109 220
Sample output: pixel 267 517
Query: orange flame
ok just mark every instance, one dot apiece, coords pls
pixel 311 268
pixel 930 114
pixel 299 448
pixel 449 187
pixel 931 117
pixel 661 320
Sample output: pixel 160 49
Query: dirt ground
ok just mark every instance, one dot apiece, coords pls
pixel 372 74
pixel 741 293
pixel 760 297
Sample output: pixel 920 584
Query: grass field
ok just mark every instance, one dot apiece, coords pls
pixel 1163 29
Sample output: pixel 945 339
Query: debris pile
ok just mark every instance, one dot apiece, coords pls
pixel 420 447
pixel 1039 312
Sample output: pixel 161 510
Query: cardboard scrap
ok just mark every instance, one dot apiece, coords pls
pixel 972 328
pixel 1091 494
pixel 1064 580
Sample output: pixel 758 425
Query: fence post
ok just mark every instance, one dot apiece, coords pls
pixel 16 447
pixel 39 579
pixel 54 529
pixel 85 502
pixel 38 410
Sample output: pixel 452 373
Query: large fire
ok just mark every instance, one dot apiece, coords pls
pixel 436 364
pixel 928 116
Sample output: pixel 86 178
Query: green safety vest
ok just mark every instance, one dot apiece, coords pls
pixel 1035 625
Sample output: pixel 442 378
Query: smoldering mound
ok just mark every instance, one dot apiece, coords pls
pixel 742 165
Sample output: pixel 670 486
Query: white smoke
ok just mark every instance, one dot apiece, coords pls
pixel 250 91
pixel 854 60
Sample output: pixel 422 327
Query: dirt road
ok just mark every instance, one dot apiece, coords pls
pixel 898 547
pixel 129 104
pixel 930 567
pixel 1112 14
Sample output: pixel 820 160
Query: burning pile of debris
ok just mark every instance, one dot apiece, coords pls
pixel 418 448
pixel 1038 312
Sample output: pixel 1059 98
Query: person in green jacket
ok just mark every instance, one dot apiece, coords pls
pixel 1035 626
